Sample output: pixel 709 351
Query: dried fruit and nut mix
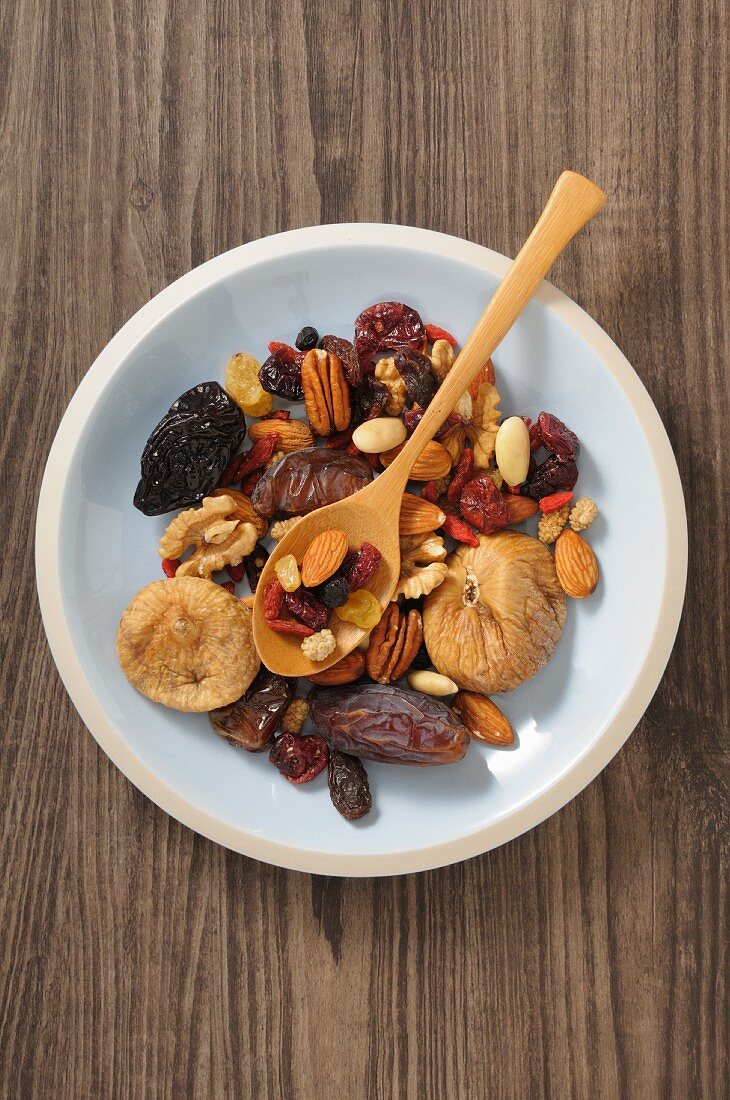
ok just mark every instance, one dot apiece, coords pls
pixel 478 608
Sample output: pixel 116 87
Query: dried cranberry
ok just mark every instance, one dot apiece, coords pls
pixel 254 565
pixel 462 475
pixel 483 505
pixel 412 418
pixel 557 438
pixel 286 352
pixel 430 492
pixel 551 476
pixel 229 586
pixel 339 441
pixel 299 759
pixel 307 338
pixel 459 530
pixel 345 352
pixel 388 325
pixel 279 414
pixel 415 370
pixel 369 399
pixel 170 566
pixel 236 573
pixel 305 607
pixel 361 568
pixel 434 333
pixel 282 376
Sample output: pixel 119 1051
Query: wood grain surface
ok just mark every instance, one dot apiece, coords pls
pixel 589 957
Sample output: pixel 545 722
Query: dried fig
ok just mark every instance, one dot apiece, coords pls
pixel 188 644
pixel 498 616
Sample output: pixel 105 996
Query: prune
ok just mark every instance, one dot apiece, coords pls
pixel 348 784
pixel 388 723
pixel 550 476
pixel 369 400
pixel 283 377
pixel 305 607
pixel 345 352
pixel 307 338
pixel 250 722
pixel 415 370
pixel 360 567
pixel 390 325
pixel 557 438
pixel 254 565
pixel 483 505
pixel 334 592
pixel 189 449
pixel 305 480
pixel 299 759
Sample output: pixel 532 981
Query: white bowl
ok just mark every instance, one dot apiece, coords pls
pixel 94 550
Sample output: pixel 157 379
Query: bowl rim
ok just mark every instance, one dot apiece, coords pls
pixel 510 824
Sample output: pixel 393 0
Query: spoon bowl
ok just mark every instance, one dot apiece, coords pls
pixel 372 513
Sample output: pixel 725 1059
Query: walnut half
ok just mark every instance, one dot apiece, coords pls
pixel 422 565
pixel 216 533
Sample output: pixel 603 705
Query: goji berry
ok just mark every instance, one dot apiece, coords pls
pixel 434 333
pixel 235 572
pixel 554 501
pixel 170 566
pixel 483 505
pixel 249 483
pixel 462 474
pixel 229 586
pixel 285 352
pixel 430 493
pixel 253 459
pixel 459 530
pixel 283 626
pixel 514 489
pixel 273 599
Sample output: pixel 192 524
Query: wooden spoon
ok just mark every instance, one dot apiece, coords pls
pixel 373 513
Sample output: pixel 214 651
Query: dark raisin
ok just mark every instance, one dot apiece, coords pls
pixel 415 370
pixel 551 476
pixel 362 567
pixel 254 564
pixel 369 399
pixel 349 787
pixel 307 338
pixel 555 437
pixel 334 592
pixel 345 352
pixel 299 759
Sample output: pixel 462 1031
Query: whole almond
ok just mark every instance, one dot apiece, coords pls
pixel 576 565
pixel 294 435
pixel 323 557
pixel 520 508
pixel 483 718
pixel 433 462
pixel 346 670
pixel 419 516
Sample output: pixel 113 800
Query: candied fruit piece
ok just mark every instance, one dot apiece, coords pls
pixel 362 608
pixel 287 571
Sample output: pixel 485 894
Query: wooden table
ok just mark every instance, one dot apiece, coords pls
pixel 587 958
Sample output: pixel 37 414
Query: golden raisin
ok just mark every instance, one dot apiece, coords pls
pixel 287 571
pixel 362 608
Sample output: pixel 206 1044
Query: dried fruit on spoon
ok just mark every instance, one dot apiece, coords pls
pixel 477 607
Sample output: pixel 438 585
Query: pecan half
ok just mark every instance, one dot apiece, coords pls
pixel 326 393
pixel 394 643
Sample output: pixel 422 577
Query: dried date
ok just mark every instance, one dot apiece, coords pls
pixel 388 723
pixel 305 480
pixel 250 722
pixel 348 784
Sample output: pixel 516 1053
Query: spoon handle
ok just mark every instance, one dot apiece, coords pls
pixel 573 202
